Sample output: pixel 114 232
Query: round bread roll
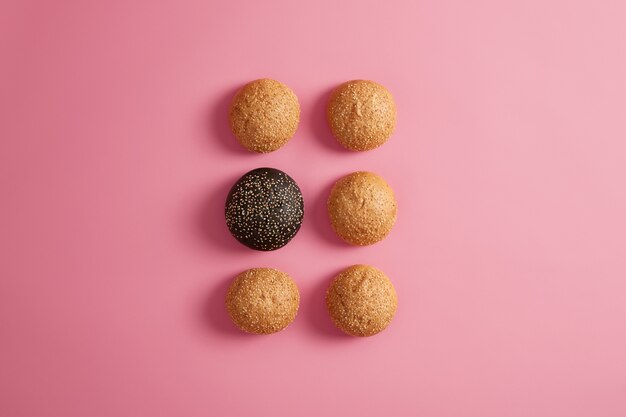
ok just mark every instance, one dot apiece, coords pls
pixel 361 114
pixel 262 300
pixel 264 115
pixel 362 208
pixel 264 209
pixel 361 300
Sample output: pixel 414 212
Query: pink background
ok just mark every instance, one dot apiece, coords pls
pixel 509 163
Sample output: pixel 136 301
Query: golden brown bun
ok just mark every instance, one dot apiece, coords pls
pixel 264 115
pixel 361 300
pixel 262 300
pixel 362 208
pixel 361 114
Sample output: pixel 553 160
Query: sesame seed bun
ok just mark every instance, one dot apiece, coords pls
pixel 262 300
pixel 264 115
pixel 361 115
pixel 362 208
pixel 361 300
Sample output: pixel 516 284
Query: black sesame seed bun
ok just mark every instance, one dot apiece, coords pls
pixel 264 209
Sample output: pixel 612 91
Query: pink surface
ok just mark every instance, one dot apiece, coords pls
pixel 509 162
